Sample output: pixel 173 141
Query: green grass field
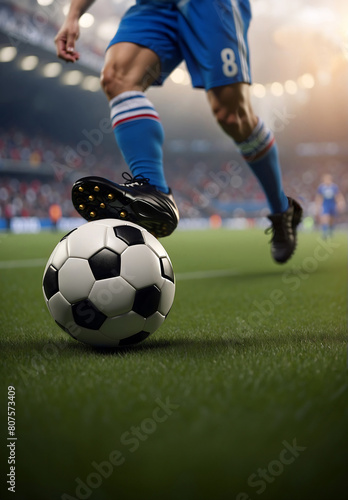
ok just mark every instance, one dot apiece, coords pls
pixel 241 394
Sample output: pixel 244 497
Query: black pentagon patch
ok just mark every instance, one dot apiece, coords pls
pixel 66 235
pixel 166 269
pixel 146 301
pixel 50 282
pixel 129 234
pixel 134 339
pixel 105 264
pixel 87 315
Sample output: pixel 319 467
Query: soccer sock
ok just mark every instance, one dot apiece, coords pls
pixel 261 154
pixel 139 135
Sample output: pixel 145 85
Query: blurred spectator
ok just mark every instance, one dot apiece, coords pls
pixel 8 213
pixel 55 214
pixel 204 184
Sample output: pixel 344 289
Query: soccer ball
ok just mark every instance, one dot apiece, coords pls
pixel 109 283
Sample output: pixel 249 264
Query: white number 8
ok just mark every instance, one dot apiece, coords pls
pixel 229 67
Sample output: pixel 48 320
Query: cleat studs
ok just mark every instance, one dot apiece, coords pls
pixel 102 205
pixel 81 207
pixel 96 189
pixel 90 197
pixel 81 189
pixel 92 214
pixel 110 196
pixel 123 214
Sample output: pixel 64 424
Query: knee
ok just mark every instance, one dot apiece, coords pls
pixel 113 80
pixel 232 109
pixel 238 121
pixel 226 116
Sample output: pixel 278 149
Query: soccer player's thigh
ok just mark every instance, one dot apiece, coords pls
pixel 129 66
pixel 228 78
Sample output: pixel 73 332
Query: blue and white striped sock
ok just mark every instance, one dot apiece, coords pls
pixel 261 154
pixel 139 135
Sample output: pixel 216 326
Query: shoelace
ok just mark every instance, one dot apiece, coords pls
pixel 137 180
pixel 278 230
pixel 270 230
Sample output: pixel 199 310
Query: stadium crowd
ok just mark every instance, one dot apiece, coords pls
pixel 34 174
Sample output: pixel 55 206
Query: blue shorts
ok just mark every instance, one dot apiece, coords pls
pixel 210 35
pixel 329 208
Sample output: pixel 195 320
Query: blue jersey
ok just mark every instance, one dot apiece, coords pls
pixel 210 35
pixel 328 193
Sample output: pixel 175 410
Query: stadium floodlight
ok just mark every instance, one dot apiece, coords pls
pixel 44 3
pixel 51 70
pixel 86 20
pixel 259 90
pixel 29 63
pixel 107 29
pixel 324 76
pixel 290 87
pixel 180 76
pixel 306 81
pixel 72 77
pixel 7 54
pixel 277 89
pixel 91 83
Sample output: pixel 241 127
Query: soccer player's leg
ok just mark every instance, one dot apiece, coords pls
pixel 232 108
pixel 128 71
pixel 331 225
pixel 223 69
pixel 325 223
pixel 327 219
pixel 130 68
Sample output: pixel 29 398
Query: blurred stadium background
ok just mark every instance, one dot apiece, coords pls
pixel 53 120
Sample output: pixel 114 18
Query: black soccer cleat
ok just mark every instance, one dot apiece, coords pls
pixel 136 201
pixel 284 228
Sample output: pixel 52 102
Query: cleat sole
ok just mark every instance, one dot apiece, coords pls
pixel 107 202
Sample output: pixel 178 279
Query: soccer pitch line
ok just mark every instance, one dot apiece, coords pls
pixel 16 264
pixel 190 275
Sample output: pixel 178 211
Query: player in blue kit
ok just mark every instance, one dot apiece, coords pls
pixel 154 36
pixel 329 201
